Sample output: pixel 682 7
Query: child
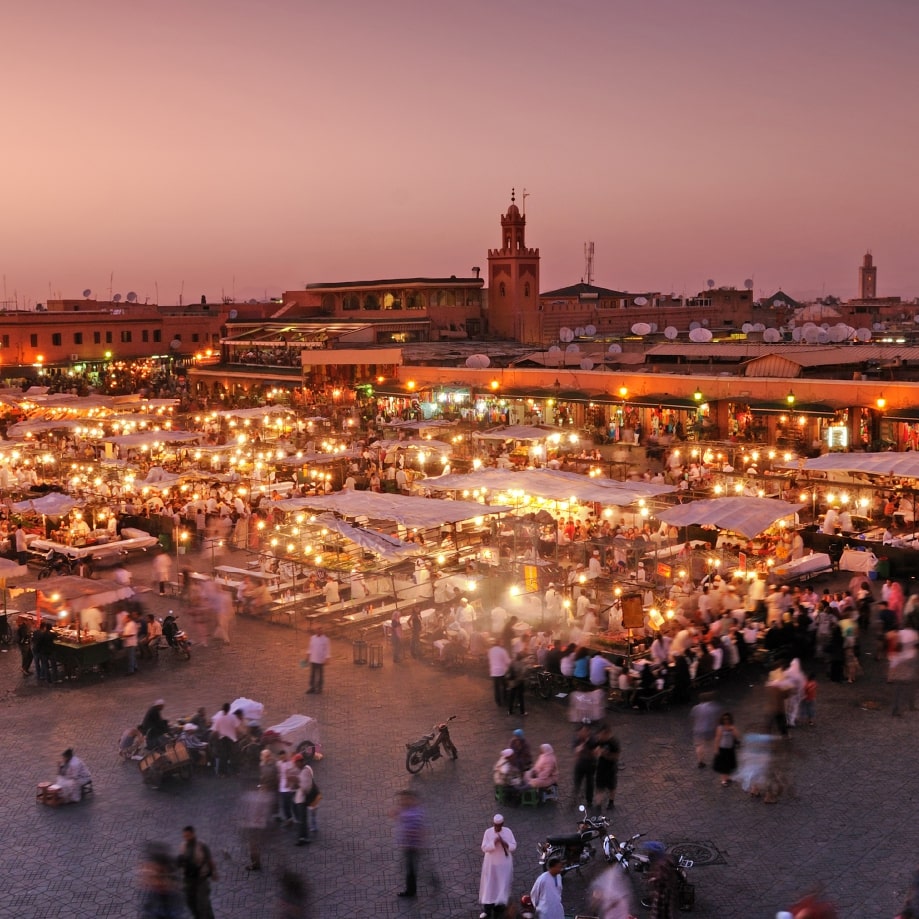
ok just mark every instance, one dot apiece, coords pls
pixel 853 667
pixel 809 701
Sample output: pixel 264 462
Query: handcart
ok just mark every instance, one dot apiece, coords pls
pixel 174 759
pixel 298 734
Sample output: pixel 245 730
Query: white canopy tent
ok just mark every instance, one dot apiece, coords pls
pixel 54 504
pixel 549 483
pixel 415 443
pixel 747 516
pixel 387 547
pixel 262 411
pixel 409 511
pixel 902 464
pixel 520 432
pixel 149 438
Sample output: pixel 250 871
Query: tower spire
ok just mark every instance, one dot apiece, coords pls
pixel 513 195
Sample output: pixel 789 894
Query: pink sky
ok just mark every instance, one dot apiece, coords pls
pixel 246 146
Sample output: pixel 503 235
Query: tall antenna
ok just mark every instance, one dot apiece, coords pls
pixel 525 195
pixel 589 262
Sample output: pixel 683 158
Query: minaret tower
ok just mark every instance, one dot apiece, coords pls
pixel 867 278
pixel 513 282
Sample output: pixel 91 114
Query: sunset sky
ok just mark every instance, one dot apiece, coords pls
pixel 245 147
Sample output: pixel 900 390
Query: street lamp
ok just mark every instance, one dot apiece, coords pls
pixel 697 395
pixel 790 398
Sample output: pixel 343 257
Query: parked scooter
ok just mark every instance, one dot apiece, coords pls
pixel 576 849
pixel 55 563
pixel 176 637
pixel 428 748
pixel 634 860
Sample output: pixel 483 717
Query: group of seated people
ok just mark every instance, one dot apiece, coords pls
pixel 517 771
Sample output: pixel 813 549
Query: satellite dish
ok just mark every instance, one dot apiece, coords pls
pixel 587 364
pixel 778 304
pixel 116 298
pixel 915 318
pixel 573 349
pixel 554 349
pixel 796 335
pixel 823 337
pixel 614 349
pixel 565 334
pixel 771 336
pixel 579 332
pixel 87 292
pixel 670 333
pixel 641 301
pixel 590 330
pixel 700 335
pixel 747 328
pixel 837 334
pixel 694 325
pixel 878 327
pixel 175 344
pixel 710 283
pixel 653 326
pixel 232 314
pixel 641 328
pixel 748 283
pixel 132 297
pixel 863 334
pixel 811 334
pixel 478 361
pixel 758 327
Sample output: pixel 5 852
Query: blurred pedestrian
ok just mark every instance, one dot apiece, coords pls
pixel 411 833
pixel 198 870
pixel 726 743
pixel 319 653
pixel 498 846
pixel 585 763
pixel 607 765
pixel 610 895
pixel 24 640
pixel 254 813
pixel 293 900
pixel 159 885
pixel 704 720
pixel 395 634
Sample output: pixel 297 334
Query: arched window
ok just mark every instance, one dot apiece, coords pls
pixel 526 289
pixel 371 302
pixel 351 302
pixel 328 304
pixel 502 290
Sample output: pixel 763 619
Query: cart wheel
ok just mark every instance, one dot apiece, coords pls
pixel 185 772
pixel 44 573
pixel 544 686
pixel 307 750
pixel 414 762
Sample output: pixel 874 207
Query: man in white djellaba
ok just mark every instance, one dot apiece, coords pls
pixel 498 844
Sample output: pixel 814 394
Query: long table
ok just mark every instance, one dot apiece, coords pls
pixel 76 659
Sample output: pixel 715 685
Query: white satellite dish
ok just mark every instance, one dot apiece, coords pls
pixel 641 301
pixel 837 334
pixel 811 334
pixel 116 298
pixel 478 361
pixel 87 292
pixel 232 314
pixel 863 334
pixel 132 297
pixel 573 349
pixel 579 332
pixel 587 364
pixel 878 327
pixel 641 328
pixel 710 283
pixel 915 318
pixel 565 334
pixel 590 330
pixel 653 326
pixel 771 336
pixel 796 335
pixel 747 328
pixel 700 335
pixel 694 325
pixel 825 326
pixel 175 344
pixel 850 332
pixel 670 333
pixel 778 304
pixel 554 349
pixel 823 337
pixel 758 327
pixel 614 349
pixel 748 283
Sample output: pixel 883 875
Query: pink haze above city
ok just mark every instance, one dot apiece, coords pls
pixel 241 148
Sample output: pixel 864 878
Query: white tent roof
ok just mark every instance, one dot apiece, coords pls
pixel 415 443
pixel 79 593
pixel 410 511
pixel 747 516
pixel 905 464
pixel 550 483
pixel 53 504
pixel 388 547
pixel 259 412
pixel 316 459
pixel 519 432
pixel 148 438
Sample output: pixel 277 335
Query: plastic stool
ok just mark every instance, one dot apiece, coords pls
pixel 360 651
pixel 550 793
pixel 529 797
pixel 375 656
pixel 504 794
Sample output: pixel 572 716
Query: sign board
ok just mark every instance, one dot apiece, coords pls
pixel 742 561
pixel 633 613
pixel 531 578
pixel 664 570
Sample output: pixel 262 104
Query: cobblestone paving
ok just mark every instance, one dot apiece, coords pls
pixel 848 820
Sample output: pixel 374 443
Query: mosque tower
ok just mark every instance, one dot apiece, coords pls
pixel 513 282
pixel 867 278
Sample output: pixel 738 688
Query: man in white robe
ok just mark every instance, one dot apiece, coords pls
pixel 498 844
pixel 547 891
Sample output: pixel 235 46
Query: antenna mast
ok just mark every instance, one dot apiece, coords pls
pixel 589 262
pixel 525 195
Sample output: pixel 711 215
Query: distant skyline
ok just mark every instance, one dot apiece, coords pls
pixel 242 148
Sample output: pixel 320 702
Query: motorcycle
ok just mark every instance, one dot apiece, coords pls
pixel 175 638
pixel 631 859
pixel 575 849
pixel 428 748
pixel 55 563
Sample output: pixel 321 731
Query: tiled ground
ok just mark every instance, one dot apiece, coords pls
pixel 848 823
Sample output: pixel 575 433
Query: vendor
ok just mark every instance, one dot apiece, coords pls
pixel 72 776
pixel 154 726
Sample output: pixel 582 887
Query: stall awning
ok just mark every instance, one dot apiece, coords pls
pixel 519 432
pixel 77 594
pixel 662 400
pixel 409 511
pixel 747 516
pixel 388 547
pixel 551 484
pixel 53 504
pixel 780 407
pixel 910 414
pixel 903 464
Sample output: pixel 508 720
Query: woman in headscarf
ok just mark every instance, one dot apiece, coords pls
pixel 544 773
pixel 794 679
